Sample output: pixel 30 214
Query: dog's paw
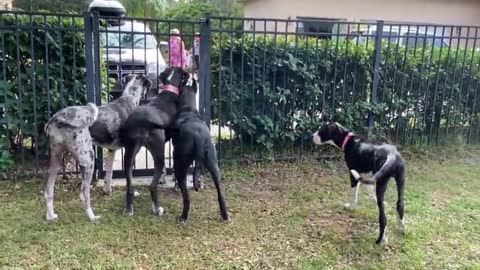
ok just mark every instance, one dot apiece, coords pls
pixel 107 190
pixel 162 181
pixel 182 221
pixel 383 241
pixel 128 212
pixel 52 218
pixel 350 205
pixel 91 216
pixel 401 226
pixel 95 218
pixel 158 211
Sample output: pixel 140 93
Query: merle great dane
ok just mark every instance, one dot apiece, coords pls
pixel 146 126
pixel 73 128
pixel 362 156
pixel 192 142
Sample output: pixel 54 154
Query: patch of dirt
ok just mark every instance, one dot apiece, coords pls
pixel 473 159
pixel 441 199
pixel 337 221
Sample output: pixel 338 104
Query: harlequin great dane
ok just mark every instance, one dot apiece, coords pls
pixel 361 156
pixel 73 128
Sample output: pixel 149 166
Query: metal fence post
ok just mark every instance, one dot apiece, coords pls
pixel 97 58
pixel 89 64
pixel 205 70
pixel 376 73
pixel 92 58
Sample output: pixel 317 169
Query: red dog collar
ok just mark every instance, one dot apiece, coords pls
pixel 345 141
pixel 171 88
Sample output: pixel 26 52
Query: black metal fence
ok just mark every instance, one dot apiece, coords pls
pixel 275 81
pixel 265 84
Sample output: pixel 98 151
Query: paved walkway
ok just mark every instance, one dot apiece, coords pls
pixel 145 181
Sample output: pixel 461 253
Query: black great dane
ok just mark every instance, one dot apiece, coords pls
pixel 145 127
pixel 192 142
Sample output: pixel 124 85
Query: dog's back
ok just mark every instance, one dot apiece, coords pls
pixel 69 120
pixel 112 116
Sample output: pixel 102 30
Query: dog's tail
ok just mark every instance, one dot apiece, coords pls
pixel 64 117
pixel 380 174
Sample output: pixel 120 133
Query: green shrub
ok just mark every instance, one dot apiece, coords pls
pixel 26 52
pixel 274 92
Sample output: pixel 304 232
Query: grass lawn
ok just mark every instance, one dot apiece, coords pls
pixel 284 215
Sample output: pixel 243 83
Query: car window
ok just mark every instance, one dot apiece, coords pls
pixel 388 35
pixel 127 40
pixel 413 40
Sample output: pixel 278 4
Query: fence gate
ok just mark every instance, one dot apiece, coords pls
pixel 116 47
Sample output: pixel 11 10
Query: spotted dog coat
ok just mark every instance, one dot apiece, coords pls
pixel 361 156
pixel 72 129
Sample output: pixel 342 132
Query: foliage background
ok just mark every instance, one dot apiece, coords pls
pixel 275 92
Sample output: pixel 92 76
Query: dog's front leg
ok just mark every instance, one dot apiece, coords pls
pixel 129 157
pixel 107 181
pixel 159 171
pixel 354 185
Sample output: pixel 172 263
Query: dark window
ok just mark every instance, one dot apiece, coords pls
pixel 321 28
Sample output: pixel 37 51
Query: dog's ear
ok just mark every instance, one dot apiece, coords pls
pixel 147 84
pixel 127 78
pixel 194 84
pixel 164 74
pixel 185 77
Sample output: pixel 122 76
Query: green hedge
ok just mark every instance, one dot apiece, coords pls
pixel 26 53
pixel 274 92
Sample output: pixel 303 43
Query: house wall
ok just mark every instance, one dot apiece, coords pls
pixel 443 12
pixel 6 4
pixel 458 12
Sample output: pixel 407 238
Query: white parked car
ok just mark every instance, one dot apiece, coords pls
pixel 132 48
pixel 404 36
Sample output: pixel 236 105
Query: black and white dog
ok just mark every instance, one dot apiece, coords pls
pixel 146 126
pixel 192 142
pixel 383 160
pixel 73 128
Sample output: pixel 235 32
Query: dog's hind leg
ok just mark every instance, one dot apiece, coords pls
pixel 107 181
pixel 131 151
pixel 382 218
pixel 55 163
pixel 211 164
pixel 400 181
pixel 86 157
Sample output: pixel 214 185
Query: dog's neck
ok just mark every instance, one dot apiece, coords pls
pixel 171 88
pixel 134 95
pixel 346 140
pixel 342 139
